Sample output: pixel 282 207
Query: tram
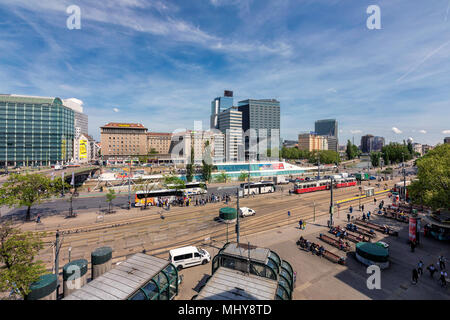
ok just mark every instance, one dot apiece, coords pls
pixel 319 185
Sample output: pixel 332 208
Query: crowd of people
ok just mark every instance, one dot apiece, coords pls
pixel 432 268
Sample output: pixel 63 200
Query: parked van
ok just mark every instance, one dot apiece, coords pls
pixel 244 212
pixel 188 257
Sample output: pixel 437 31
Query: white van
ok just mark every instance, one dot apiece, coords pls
pixel 188 257
pixel 244 212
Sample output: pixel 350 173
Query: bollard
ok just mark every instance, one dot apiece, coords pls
pixel 101 261
pixel 74 276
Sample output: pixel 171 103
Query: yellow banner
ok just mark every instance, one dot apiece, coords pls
pixel 83 149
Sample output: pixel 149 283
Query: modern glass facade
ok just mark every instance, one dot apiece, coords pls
pixel 263 116
pixel 35 130
pixel 218 105
pixel 328 128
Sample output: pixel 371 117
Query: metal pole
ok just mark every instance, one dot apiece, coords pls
pixel 404 178
pixel 57 262
pixel 237 222
pixel 129 186
pixel 318 168
pixel 248 179
pixel 331 203
pixel 70 251
pixel 314 204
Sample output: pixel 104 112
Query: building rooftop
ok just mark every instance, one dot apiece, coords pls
pixel 227 284
pixel 28 99
pixel 122 281
pixel 123 125
pixel 158 134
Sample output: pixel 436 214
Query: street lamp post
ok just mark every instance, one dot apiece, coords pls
pixel 237 215
pixel 129 186
pixel 331 203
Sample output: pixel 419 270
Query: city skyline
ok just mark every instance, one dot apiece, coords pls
pixel 317 59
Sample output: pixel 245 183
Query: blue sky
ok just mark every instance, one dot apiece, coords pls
pixel 161 63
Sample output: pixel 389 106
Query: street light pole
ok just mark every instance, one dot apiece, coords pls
pixel 318 168
pixel 237 213
pixel 57 262
pixel 129 186
pixel 404 177
pixel 331 203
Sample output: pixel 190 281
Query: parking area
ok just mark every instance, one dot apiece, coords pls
pixel 319 278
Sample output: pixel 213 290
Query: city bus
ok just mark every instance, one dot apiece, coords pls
pixel 258 187
pixel 195 188
pixel 154 195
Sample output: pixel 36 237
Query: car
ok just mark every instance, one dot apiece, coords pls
pixel 372 178
pixel 188 257
pixel 383 244
pixel 245 212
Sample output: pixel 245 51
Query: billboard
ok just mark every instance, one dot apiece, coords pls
pixel 83 149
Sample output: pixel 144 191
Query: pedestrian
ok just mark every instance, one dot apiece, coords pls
pixel 432 269
pixel 350 209
pixel 442 262
pixel 300 224
pixel 443 279
pixel 289 214
pixel 38 219
pixel 304 225
pixel 415 276
pixel 413 245
pixel 368 215
pixel 364 216
pixel 362 207
pixel 375 201
pixel 348 217
pixel 419 267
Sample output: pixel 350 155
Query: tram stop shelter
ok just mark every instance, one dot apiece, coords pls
pixel 140 277
pixel 254 266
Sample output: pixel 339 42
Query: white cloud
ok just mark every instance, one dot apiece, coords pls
pixel 355 131
pixel 396 130
pixel 446 131
pixel 423 131
pixel 115 109
pixel 333 90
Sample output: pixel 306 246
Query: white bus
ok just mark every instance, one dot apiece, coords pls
pixel 258 187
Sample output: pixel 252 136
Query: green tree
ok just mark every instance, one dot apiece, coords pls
pixel 432 187
pixel 395 153
pixel 190 168
pixel 145 186
pixel 110 196
pixel 206 171
pixel 174 182
pixel 26 190
pixel 243 176
pixel 375 158
pixel 410 148
pixel 152 152
pixel 351 151
pixel 222 177
pixel 18 268
pixel 325 156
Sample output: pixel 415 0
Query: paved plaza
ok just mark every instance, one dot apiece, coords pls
pixel 318 278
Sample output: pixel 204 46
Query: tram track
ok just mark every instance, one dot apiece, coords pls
pixel 259 223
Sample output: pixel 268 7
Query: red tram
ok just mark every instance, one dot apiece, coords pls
pixel 318 185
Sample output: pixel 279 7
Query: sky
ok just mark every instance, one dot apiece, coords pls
pixel 161 63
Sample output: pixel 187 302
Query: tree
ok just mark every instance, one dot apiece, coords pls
pixel 190 168
pixel 173 182
pixel 325 156
pixel 351 151
pixel 432 187
pixel 206 171
pixel 410 148
pixel 145 186
pixel 395 153
pixel 26 190
pixel 152 152
pixel 222 177
pixel 375 158
pixel 57 185
pixel 17 254
pixel 110 196
pixel 243 176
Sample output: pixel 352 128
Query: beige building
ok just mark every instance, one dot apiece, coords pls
pixel 122 140
pixel 312 142
pixel 158 141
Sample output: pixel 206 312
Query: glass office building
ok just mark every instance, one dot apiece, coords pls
pixel 328 128
pixel 35 130
pixel 262 117
pixel 218 105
